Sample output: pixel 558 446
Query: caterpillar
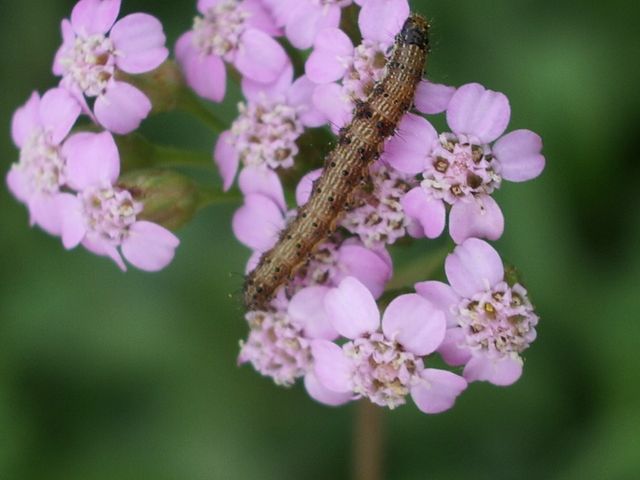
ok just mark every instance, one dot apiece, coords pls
pixel 346 167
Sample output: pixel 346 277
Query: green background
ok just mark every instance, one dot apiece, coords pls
pixel 105 375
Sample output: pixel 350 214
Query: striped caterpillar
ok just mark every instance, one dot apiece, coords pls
pixel 359 144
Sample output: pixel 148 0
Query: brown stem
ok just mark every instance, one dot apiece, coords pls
pixel 367 442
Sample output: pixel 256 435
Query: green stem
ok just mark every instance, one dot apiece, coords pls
pixel 368 444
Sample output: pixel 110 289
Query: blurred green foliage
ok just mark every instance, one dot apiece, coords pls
pixel 105 375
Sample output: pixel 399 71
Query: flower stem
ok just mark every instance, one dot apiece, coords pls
pixel 368 442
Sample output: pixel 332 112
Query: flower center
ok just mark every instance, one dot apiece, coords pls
pixel 109 212
pixel 265 132
pixel 384 372
pixel 90 63
pixel 42 164
pixel 378 217
pixel 321 268
pixel 499 321
pixel 460 167
pixel 366 69
pixel 275 347
pixel 218 32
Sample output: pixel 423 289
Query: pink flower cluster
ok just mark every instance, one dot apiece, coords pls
pixel 96 50
pixel 69 181
pixel 332 324
pixel 324 325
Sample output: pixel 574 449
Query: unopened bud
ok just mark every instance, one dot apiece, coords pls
pixel 169 198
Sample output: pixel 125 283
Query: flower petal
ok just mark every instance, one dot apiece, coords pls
pixel 442 296
pixel 264 181
pixel 140 42
pixel 428 211
pixel 320 393
pixel 26 120
pixel 413 322
pixel 94 16
pixel 305 186
pixel 68 37
pixel 480 217
pixel 328 61
pixel 92 160
pixel 330 100
pixel 258 222
pixel 438 390
pixel 369 267
pixel 502 372
pixel 259 17
pixel 149 246
pixel 122 108
pixel 301 95
pixel 206 74
pixel 254 91
pixel 453 349
pixel 260 57
pixel 226 158
pixel 473 267
pixel 99 246
pixel 18 184
pixel 306 308
pixel 407 150
pixel 332 369
pixel 307 20
pixel 45 213
pixel 433 98
pixel 352 309
pixel 519 155
pixel 474 110
pixel 382 20
pixel 58 111
pixel 73 226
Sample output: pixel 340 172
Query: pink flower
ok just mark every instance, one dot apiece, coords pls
pixel 384 361
pixel 102 216
pixel 265 133
pixel 278 345
pixel 38 129
pixel 257 224
pixel 236 31
pixel 490 322
pixel 462 168
pixel 303 19
pixel 95 48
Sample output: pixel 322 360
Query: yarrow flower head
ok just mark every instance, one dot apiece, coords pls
pixel 104 217
pixel 278 345
pixel 463 167
pixel 266 131
pixel 235 31
pixel 490 321
pixel 95 48
pixel 384 361
pixel 39 129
